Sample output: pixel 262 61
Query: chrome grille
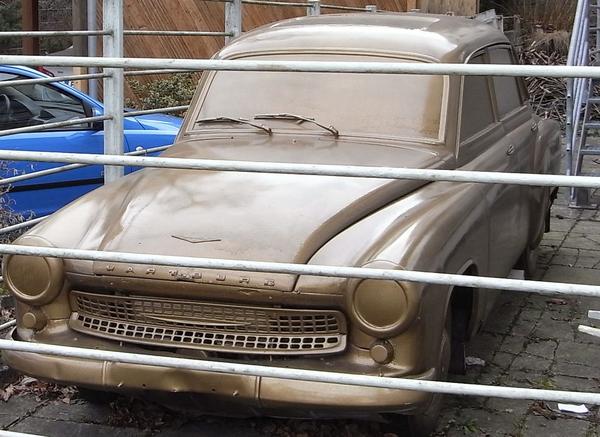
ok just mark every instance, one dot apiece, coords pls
pixel 208 326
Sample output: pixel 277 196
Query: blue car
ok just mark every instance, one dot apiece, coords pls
pixel 33 104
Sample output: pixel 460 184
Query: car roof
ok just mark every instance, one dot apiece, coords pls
pixel 20 69
pixel 438 38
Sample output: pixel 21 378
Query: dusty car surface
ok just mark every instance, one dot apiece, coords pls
pixel 365 327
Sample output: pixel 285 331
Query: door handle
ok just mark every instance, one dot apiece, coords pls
pixel 510 150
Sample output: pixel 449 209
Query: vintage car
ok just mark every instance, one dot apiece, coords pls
pixel 371 327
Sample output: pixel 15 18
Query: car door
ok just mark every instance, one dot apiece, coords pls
pixel 517 121
pixel 36 104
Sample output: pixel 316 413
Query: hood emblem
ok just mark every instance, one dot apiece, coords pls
pixel 195 240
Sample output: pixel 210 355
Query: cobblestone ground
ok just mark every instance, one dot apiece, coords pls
pixel 532 341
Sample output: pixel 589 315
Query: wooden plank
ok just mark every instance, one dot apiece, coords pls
pixel 458 7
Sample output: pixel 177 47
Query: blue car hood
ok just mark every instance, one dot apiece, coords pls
pixel 159 122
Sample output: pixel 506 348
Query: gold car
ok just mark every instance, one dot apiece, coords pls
pixel 365 327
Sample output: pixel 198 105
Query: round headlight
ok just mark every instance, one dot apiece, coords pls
pixel 382 308
pixel 34 279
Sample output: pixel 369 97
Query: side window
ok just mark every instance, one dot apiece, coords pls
pixel 477 109
pixel 508 97
pixel 30 105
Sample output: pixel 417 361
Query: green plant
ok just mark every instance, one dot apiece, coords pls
pixel 176 90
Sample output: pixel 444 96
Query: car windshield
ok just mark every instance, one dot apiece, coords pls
pixel 380 105
pixel 32 104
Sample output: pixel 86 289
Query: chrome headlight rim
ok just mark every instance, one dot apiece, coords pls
pixel 53 282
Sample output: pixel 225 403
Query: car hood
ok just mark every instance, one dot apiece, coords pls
pixel 242 216
pixel 159 122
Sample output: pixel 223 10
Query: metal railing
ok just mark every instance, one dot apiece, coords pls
pixel 114 64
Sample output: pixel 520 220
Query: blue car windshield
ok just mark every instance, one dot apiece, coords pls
pixel 34 104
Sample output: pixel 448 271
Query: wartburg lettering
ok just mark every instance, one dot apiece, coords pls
pixel 363 327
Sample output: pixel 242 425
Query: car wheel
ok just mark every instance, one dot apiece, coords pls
pixel 424 423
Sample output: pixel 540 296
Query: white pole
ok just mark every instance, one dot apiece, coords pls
pixel 113 87
pixel 307 269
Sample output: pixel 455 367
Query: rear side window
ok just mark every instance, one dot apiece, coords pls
pixel 477 109
pixel 508 97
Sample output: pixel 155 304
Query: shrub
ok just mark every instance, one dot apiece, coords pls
pixel 176 90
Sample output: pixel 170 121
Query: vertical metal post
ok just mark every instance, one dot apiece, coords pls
pixel 113 86
pixel 92 42
pixel 371 8
pixel 233 19
pixel 30 20
pixel 313 8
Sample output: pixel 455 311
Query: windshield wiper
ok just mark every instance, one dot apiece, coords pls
pixel 299 119
pixel 238 120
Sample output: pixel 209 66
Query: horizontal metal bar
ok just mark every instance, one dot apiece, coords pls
pixel 7 325
pixel 63 168
pixel 311 66
pixel 275 3
pixel 56 125
pixel 17 434
pixel 589 330
pixel 304 375
pixel 142 32
pixel 344 8
pixel 146 72
pixel 23 225
pixel 157 110
pixel 311 169
pixel 6 83
pixel 50 33
pixel 311 270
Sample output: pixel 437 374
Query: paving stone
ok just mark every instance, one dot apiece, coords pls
pixel 536 426
pixel 542 348
pixel 529 362
pixel 230 428
pixel 576 370
pixel 76 412
pixel 513 344
pixel 482 422
pixel 579 384
pixel 577 276
pixel 586 227
pixel 503 359
pixel 579 241
pixel 514 407
pixel 57 428
pixel 571 352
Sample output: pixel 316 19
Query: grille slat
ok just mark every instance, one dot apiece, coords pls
pixel 207 326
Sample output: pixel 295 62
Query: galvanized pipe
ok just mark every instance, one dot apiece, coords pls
pixel 23 225
pixel 312 66
pixel 310 270
pixel 7 325
pixel 50 33
pixel 62 168
pixel 157 110
pixel 113 87
pixel 142 32
pixel 311 169
pixel 303 375
pixel 344 8
pixel 18 82
pixel 276 3
pixel 56 125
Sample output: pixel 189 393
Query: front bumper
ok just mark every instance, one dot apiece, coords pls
pixel 221 393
